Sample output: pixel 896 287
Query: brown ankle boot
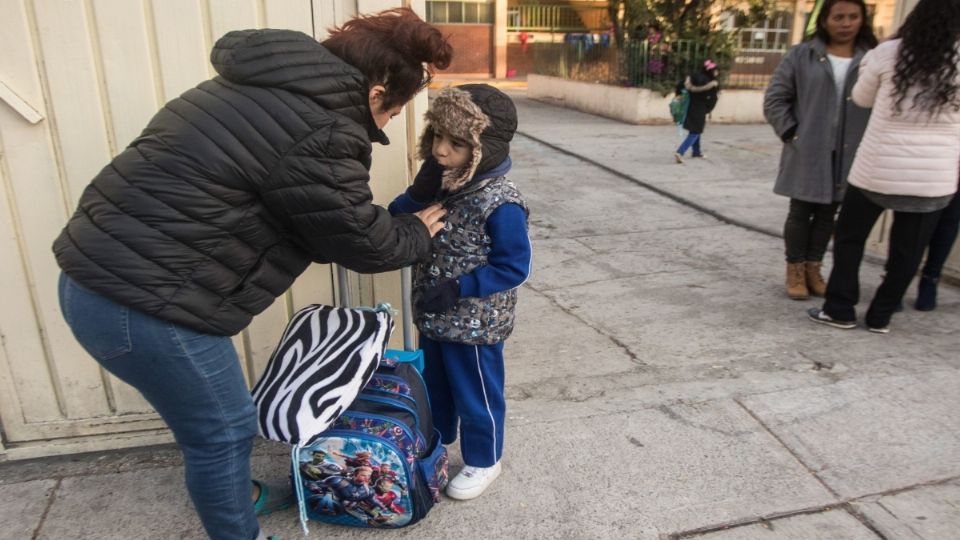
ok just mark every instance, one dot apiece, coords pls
pixel 815 283
pixel 796 281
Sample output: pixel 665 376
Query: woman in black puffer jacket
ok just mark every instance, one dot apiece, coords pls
pixel 230 192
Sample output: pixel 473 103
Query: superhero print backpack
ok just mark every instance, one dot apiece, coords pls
pixel 381 463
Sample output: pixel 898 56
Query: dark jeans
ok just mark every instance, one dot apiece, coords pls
pixel 943 237
pixel 807 230
pixel 693 139
pixel 195 382
pixel 909 236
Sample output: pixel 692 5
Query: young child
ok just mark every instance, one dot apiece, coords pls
pixel 702 88
pixel 465 295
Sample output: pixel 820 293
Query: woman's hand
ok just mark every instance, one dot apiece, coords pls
pixel 432 217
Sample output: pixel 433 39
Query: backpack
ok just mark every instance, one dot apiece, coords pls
pixel 381 463
pixel 325 357
pixel 679 105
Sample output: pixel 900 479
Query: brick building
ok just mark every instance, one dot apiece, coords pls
pixel 492 38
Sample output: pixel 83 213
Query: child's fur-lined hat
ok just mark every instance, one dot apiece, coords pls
pixel 478 114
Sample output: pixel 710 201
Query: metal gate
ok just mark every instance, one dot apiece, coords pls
pixel 78 80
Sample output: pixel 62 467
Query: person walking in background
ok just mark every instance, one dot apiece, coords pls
pixel 230 192
pixel 941 242
pixel 808 105
pixel 465 297
pixel 908 162
pixel 703 88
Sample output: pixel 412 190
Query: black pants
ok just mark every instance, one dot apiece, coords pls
pixel 807 230
pixel 943 237
pixel 909 236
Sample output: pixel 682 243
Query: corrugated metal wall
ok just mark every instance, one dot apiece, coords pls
pixel 79 79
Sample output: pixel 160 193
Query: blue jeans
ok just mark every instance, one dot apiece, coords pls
pixel 195 382
pixel 693 139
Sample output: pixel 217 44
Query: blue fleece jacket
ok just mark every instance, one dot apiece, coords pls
pixel 508 263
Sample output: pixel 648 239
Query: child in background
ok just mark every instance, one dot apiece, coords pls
pixel 465 295
pixel 703 88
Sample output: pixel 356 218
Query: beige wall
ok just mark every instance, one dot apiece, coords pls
pixel 903 9
pixel 80 79
pixel 639 105
pixel 500 39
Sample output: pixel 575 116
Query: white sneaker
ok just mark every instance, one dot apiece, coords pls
pixel 472 481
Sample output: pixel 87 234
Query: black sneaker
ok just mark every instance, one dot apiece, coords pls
pixel 817 315
pixel 880 330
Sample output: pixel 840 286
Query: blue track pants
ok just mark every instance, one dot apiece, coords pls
pixel 466 383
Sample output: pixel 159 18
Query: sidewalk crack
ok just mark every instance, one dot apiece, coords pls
pixel 769 521
pixel 633 357
pixel 43 517
pixel 787 447
pixel 865 521
pixel 659 191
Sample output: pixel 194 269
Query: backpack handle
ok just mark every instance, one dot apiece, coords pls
pixel 343 284
pixel 406 302
pixel 406 292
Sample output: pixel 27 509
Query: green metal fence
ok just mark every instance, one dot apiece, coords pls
pixel 556 18
pixel 662 64
pixel 642 64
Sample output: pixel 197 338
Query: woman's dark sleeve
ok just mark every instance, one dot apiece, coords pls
pixel 321 192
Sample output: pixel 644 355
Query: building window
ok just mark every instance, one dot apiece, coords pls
pixel 460 11
pixel 772 34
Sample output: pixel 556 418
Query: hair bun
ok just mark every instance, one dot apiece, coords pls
pixel 419 41
pixel 395 48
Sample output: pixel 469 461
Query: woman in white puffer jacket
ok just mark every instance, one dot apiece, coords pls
pixel 908 160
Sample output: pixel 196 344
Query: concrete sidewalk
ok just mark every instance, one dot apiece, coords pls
pixel 660 385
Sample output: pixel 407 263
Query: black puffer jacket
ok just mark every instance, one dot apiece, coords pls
pixel 703 98
pixel 236 186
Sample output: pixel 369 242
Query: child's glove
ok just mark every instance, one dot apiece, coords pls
pixel 441 297
pixel 427 183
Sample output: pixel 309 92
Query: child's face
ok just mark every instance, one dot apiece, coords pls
pixel 450 153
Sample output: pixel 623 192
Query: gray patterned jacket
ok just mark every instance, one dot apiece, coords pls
pixel 460 248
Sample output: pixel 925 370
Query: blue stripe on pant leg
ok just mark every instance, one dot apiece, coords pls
pixel 476 377
pixel 486 402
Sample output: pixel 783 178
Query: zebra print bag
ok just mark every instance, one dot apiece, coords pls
pixel 325 357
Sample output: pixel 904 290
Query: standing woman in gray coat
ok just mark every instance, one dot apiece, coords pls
pixel 808 104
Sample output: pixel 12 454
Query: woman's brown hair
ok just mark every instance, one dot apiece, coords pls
pixel 392 48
